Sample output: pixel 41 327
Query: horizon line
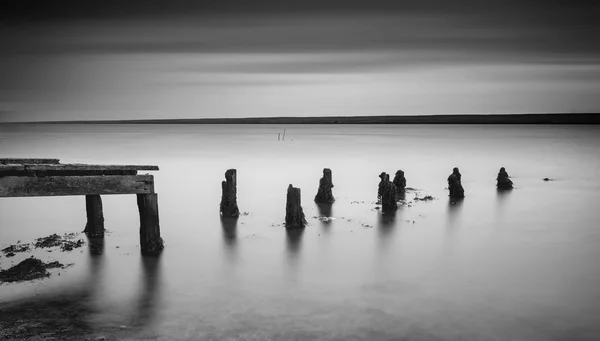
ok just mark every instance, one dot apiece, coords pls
pixel 522 118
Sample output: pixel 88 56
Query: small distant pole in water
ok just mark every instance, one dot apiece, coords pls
pixel 454 184
pixel 283 138
pixel 229 207
pixel 278 136
pixel 324 194
pixel 503 181
pixel 294 215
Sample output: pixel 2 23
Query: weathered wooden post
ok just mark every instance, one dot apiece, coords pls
pixel 387 193
pixel 454 184
pixel 400 181
pixel 150 240
pixel 229 207
pixel 383 176
pixel 95 218
pixel 324 194
pixel 294 215
pixel 503 181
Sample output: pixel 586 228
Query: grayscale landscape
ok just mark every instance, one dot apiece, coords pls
pixel 299 170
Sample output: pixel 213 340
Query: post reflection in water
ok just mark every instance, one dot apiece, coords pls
pixel 229 228
pixel 148 301
pixel 96 260
pixel 325 211
pixel 293 245
pixel 386 227
pixel 501 197
pixel 453 217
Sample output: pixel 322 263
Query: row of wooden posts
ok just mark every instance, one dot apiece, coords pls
pixel 47 177
pixel 387 194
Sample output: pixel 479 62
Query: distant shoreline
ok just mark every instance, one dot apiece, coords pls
pixel 588 118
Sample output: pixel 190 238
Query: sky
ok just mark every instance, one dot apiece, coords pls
pixel 134 59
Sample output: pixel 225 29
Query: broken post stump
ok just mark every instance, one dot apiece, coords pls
pixel 294 215
pixel 503 180
pixel 400 181
pixel 229 207
pixel 324 194
pixel 95 218
pixel 384 178
pixel 150 240
pixel 387 193
pixel 454 184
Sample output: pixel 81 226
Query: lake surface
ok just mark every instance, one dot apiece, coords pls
pixel 519 265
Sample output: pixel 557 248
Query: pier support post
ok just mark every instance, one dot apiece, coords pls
pixel 150 240
pixel 229 207
pixel 324 194
pixel 294 215
pixel 95 218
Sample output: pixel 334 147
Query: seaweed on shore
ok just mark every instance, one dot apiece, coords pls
pixel 425 198
pixel 27 270
pixel 16 248
pixel 55 240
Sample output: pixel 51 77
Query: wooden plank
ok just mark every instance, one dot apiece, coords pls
pixel 18 186
pixel 84 167
pixel 11 167
pixel 25 170
pixel 27 161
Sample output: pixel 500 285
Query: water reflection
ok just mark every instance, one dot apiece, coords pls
pixel 148 300
pixel 71 308
pixel 501 197
pixel 386 226
pixel 293 244
pixel 325 211
pixel 453 217
pixel 229 228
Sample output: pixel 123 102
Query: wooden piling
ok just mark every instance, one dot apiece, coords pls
pixel 150 240
pixel 324 194
pixel 95 217
pixel 229 207
pixel 400 182
pixel 294 215
pixel 454 184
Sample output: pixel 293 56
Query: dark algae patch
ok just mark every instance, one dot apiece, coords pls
pixel 27 270
pixel 16 248
pixel 55 240
pixel 425 198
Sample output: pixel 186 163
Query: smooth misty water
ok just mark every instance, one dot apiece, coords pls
pixel 520 265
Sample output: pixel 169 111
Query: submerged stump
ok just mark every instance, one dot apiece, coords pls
pixel 503 180
pixel 454 184
pixel 294 215
pixel 387 194
pixel 229 207
pixel 150 240
pixel 385 178
pixel 324 194
pixel 400 182
pixel 95 217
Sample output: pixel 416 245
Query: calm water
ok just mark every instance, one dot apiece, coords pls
pixel 521 265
